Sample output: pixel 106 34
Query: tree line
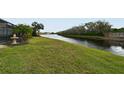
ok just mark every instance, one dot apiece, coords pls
pixel 91 28
pixel 24 31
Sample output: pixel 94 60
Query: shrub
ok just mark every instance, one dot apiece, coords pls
pixel 23 31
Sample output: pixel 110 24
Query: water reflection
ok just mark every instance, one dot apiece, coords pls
pixel 117 50
pixel 112 46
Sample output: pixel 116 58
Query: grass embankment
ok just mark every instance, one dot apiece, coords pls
pixel 44 55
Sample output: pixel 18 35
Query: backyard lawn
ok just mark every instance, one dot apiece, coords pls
pixel 42 55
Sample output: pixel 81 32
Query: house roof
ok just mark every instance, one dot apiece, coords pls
pixel 4 21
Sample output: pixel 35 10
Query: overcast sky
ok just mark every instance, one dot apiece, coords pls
pixel 60 24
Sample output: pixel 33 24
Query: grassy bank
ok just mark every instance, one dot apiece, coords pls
pixel 44 55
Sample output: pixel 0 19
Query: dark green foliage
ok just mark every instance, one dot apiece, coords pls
pixel 115 30
pixel 36 28
pixel 94 34
pixel 23 31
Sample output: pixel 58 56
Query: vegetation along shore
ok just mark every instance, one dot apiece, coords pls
pixel 99 30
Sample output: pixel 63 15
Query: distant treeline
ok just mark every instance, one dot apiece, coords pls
pixel 91 28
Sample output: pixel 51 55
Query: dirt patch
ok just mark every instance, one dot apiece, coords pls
pixel 3 46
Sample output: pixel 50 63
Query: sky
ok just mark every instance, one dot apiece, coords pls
pixel 60 24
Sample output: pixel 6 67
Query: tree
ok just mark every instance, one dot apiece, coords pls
pixel 36 28
pixel 102 26
pixel 90 28
pixel 23 31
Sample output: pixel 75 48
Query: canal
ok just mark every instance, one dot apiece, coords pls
pixel 112 46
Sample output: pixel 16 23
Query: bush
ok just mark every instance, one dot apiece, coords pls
pixel 23 31
pixel 93 34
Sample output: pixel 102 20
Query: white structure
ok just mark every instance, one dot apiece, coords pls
pixel 14 38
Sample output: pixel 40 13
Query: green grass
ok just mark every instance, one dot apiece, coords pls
pixel 44 55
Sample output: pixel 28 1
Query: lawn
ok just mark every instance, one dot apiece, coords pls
pixel 44 55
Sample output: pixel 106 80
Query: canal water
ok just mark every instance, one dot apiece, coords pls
pixel 112 46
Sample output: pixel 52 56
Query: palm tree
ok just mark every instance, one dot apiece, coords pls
pixel 36 28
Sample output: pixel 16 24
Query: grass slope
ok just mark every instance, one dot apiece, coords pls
pixel 44 55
